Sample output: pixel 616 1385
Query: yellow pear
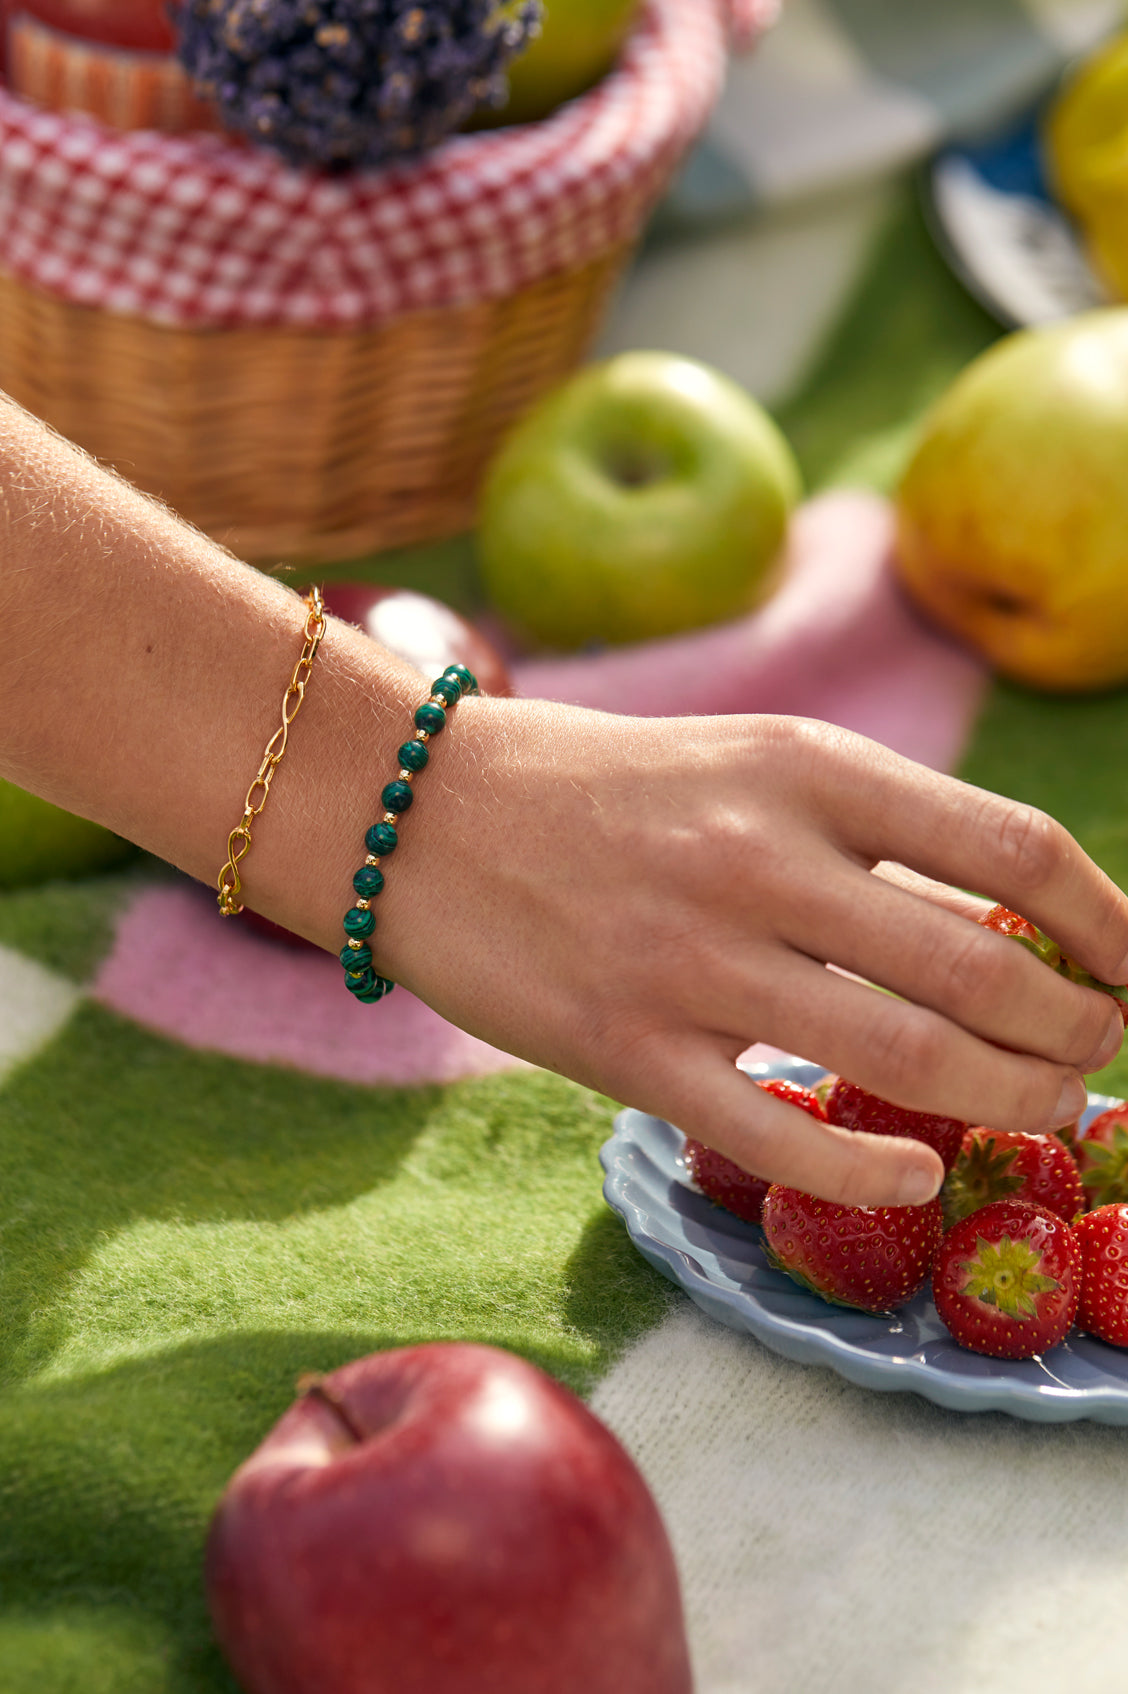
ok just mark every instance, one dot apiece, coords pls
pixel 1086 155
pixel 1013 512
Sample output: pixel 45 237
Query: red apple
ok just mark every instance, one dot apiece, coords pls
pixel 140 24
pixel 423 631
pixel 277 932
pixel 444 1519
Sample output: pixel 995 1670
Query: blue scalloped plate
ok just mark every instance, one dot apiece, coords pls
pixel 996 222
pixel 719 1262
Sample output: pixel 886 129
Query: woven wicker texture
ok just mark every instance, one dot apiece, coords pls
pixel 290 445
pixel 311 369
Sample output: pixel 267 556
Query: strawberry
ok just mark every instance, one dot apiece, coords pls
pixel 1007 1279
pixel 852 1107
pixel 725 1183
pixel 1102 1155
pixel 1009 923
pixel 995 1164
pixel 1103 1238
pixel 870 1257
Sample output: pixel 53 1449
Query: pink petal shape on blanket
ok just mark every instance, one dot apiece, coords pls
pixel 837 642
pixel 240 993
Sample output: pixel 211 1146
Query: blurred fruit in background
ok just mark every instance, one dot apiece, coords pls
pixel 38 842
pixel 1086 153
pixel 141 24
pixel 1013 512
pixel 578 43
pixel 421 630
pixel 648 495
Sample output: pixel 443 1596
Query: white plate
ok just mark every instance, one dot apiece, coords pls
pixel 998 226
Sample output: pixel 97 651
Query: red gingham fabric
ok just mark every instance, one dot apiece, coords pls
pixel 193 230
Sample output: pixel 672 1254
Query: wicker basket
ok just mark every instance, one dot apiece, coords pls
pixel 292 445
pixel 323 440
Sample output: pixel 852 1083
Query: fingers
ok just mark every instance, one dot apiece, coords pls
pixel 906 1053
pixel 971 975
pixel 782 1143
pixel 1010 852
pixel 971 906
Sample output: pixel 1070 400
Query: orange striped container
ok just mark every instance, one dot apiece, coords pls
pixel 119 86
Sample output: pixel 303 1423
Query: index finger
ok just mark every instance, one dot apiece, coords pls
pixel 1012 852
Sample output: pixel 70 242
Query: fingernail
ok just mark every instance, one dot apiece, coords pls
pixel 1110 1046
pixel 919 1183
pixel 1071 1103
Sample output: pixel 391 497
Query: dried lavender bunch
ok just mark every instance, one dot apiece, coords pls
pixel 340 83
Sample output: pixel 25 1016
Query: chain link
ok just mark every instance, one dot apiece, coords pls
pixel 228 882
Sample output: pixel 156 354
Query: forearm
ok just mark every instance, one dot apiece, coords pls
pixel 629 901
pixel 142 674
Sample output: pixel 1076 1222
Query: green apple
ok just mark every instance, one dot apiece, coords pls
pixel 578 43
pixel 1013 512
pixel 39 842
pixel 649 495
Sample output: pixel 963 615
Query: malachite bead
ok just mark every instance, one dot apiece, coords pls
pixel 355 958
pixel 413 755
pixel 465 678
pixel 396 796
pixel 379 988
pixel 429 717
pixel 361 984
pixel 381 839
pixel 369 880
pixel 358 923
pixel 448 689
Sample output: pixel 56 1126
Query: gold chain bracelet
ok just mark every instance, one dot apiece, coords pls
pixel 239 841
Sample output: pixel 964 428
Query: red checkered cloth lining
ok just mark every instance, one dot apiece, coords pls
pixel 193 230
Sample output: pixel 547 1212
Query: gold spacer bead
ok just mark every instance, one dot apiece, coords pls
pixel 356 945
pixel 390 817
pixel 361 905
pixel 406 776
pixel 371 859
pixel 423 735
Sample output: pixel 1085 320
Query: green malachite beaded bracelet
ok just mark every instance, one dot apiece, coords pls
pixel 361 978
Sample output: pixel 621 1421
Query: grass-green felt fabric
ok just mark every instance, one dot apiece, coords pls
pixel 181 1234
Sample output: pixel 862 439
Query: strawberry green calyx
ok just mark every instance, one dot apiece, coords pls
pixel 983 1172
pixel 1006 1274
pixel 1075 973
pixel 1051 954
pixel 1036 941
pixel 1105 1172
pixel 1006 1281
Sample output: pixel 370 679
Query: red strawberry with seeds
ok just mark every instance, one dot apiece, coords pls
pixel 1007 1279
pixel 874 1258
pixel 1102 1156
pixel 1009 923
pixel 1103 1239
pixel 854 1108
pixel 997 1164
pixel 725 1182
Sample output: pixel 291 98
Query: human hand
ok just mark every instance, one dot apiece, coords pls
pixel 633 902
